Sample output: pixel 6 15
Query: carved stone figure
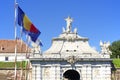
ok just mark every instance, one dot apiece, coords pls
pixel 68 21
pixel 75 30
pixel 36 48
pixel 63 29
pixel 105 47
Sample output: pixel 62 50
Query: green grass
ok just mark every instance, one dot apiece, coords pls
pixel 116 63
pixel 20 64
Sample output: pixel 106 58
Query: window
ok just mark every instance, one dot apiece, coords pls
pixel 67 50
pixel 2 48
pixel 6 58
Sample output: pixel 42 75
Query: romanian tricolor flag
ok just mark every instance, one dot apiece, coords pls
pixel 27 25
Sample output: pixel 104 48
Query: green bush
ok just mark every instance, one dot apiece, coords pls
pixel 116 63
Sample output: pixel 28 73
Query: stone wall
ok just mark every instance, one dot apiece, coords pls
pixel 116 74
pixel 8 74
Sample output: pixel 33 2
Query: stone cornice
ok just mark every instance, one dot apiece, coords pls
pixel 62 59
pixel 84 39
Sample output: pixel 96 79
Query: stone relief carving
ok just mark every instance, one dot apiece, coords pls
pixel 71 59
pixel 96 72
pixel 47 72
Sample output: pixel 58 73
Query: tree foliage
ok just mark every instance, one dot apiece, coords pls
pixel 115 49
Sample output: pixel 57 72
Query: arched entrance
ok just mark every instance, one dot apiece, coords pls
pixel 71 74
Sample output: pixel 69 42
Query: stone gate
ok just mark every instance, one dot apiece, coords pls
pixel 70 51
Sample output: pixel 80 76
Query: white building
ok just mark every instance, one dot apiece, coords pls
pixel 71 53
pixel 7 50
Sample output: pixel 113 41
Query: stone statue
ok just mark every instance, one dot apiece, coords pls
pixel 68 21
pixel 105 47
pixel 36 47
pixel 63 29
pixel 75 30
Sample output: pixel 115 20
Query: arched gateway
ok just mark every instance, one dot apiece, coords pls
pixel 71 74
pixel 70 54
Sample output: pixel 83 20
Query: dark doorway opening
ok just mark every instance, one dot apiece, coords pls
pixel 71 75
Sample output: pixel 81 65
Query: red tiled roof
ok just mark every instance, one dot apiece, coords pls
pixel 8 46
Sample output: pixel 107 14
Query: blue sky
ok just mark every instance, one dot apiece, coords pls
pixel 95 19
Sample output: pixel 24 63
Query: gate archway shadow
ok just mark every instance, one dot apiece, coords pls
pixel 71 75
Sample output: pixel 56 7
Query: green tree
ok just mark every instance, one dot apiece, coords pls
pixel 115 49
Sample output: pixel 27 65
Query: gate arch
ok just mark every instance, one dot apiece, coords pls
pixel 71 74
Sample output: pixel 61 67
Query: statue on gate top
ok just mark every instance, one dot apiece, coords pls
pixel 69 23
pixel 105 47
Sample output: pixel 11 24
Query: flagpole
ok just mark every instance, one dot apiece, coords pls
pixel 15 77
